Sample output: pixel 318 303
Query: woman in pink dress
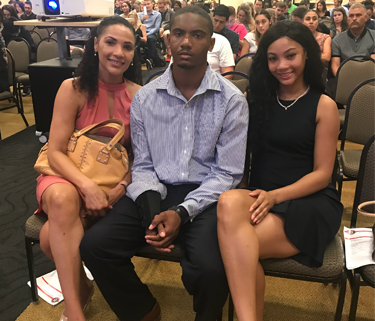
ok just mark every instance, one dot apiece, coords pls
pixel 311 20
pixel 236 27
pixel 103 88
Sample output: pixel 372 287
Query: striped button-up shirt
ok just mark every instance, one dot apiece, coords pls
pixel 197 141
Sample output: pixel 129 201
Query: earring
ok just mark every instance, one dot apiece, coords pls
pixel 131 63
pixel 95 53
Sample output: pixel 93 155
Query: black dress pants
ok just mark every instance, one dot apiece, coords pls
pixel 108 246
pixel 151 44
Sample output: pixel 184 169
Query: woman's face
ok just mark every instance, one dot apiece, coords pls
pixel 241 16
pixel 137 8
pixel 133 19
pixel 115 48
pixel 337 16
pixel 117 4
pixel 18 8
pixel 262 23
pixel 6 14
pixel 286 60
pixel 311 20
pixel 125 8
pixel 231 21
pixel 320 6
pixel 176 7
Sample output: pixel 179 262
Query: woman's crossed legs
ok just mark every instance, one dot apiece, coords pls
pixel 60 238
pixel 242 245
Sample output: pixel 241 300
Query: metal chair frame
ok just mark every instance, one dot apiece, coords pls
pixel 355 276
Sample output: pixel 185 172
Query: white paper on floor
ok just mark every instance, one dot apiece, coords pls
pixel 49 287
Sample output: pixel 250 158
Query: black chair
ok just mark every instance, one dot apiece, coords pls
pixel 154 76
pixel 241 82
pixel 365 191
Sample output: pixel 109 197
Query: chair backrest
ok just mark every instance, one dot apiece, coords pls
pixel 243 65
pixel 20 50
pixel 154 76
pixel 44 32
pixel 359 123
pixel 241 83
pixel 365 190
pixel 36 37
pixel 350 74
pixel 54 35
pixel 11 69
pixel 30 28
pixel 47 49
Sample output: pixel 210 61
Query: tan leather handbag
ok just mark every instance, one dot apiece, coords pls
pixel 102 159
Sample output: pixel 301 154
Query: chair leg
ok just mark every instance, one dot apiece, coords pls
pixel 355 295
pixel 32 275
pixel 341 299
pixel 230 309
pixel 19 103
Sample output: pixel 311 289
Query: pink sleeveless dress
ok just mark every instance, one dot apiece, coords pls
pixel 92 114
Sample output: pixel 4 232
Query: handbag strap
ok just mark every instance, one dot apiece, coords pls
pixel 113 123
pixel 364 212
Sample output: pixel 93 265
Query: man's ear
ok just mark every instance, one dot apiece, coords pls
pixel 169 38
pixel 212 44
pixel 96 44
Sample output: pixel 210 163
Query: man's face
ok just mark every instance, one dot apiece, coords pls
pixel 357 19
pixel 369 13
pixel 190 40
pixel 336 3
pixel 149 5
pixel 183 4
pixel 162 7
pixel 279 12
pixel 351 2
pixel 258 6
pixel 295 18
pixel 28 9
pixel 219 23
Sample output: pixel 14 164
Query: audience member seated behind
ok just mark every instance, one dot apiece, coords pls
pixel 370 24
pixel 238 28
pixel 118 5
pixel 220 18
pixel 262 23
pixel 337 4
pixel 220 58
pixel 166 17
pixel 126 7
pixel 321 9
pixel 339 22
pixel 4 84
pixel 311 21
pixel 29 14
pixel 152 21
pixel 11 31
pixel 357 40
pixel 289 209
pixel 258 5
pixel 101 90
pixel 139 28
pixel 280 8
pixel 299 13
pixel 245 16
pixel 20 8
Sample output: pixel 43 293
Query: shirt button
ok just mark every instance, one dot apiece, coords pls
pixel 185 152
pixel 183 174
pixel 186 128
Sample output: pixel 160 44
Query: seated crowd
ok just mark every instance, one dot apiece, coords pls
pixel 190 134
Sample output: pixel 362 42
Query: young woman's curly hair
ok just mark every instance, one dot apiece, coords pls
pixel 88 68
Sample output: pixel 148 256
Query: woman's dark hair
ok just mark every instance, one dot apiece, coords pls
pixel 11 9
pixel 323 3
pixel 344 22
pixel 263 85
pixel 88 68
pixel 1 16
pixel 21 4
pixel 178 3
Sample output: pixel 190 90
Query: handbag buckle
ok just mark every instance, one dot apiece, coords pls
pixel 72 143
pixel 103 156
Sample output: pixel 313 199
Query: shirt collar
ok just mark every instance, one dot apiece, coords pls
pixel 209 82
pixel 361 36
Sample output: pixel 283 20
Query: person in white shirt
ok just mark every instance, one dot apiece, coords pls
pixel 220 58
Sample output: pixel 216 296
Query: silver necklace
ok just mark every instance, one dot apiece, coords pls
pixel 286 107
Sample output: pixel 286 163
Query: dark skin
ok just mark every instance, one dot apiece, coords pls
pixel 190 40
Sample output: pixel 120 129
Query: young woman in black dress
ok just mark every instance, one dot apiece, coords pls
pixel 291 209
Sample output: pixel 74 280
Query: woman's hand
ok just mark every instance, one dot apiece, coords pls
pixel 260 208
pixel 96 200
pixel 115 194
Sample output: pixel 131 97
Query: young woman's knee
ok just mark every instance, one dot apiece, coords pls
pixel 233 207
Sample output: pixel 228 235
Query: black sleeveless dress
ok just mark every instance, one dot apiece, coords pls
pixel 311 222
